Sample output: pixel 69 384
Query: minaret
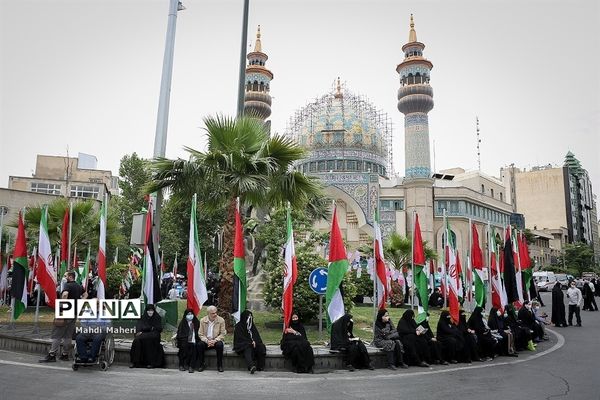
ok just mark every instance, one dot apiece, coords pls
pixel 257 101
pixel 415 100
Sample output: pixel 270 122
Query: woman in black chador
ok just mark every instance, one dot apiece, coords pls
pixel 387 339
pixel 146 350
pixel 415 344
pixel 450 337
pixel 558 317
pixel 487 343
pixel 506 339
pixel 248 343
pixel 188 340
pixel 296 347
pixel 343 340
pixel 470 352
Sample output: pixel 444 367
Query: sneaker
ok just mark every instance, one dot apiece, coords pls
pixel 49 358
pixel 252 369
pixel 64 357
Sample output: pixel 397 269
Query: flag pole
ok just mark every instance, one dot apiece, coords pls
pixel 489 263
pixel 36 326
pixel 469 272
pixel 412 263
pixel 374 270
pixel 70 237
pixel 444 243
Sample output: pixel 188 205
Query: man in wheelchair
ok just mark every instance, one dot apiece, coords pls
pixel 91 334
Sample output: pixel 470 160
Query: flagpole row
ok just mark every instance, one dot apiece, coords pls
pixel 70 235
pixel 445 280
pixel 469 272
pixel 412 263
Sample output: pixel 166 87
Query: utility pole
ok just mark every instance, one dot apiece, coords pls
pixel 242 76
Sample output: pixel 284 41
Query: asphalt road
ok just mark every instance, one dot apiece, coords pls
pixel 565 368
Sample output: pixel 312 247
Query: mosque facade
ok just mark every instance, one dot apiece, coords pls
pixel 349 145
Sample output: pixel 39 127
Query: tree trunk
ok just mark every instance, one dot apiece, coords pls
pixel 226 267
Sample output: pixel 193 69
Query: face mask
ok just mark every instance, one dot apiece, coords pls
pixel 189 317
pixel 536 308
pixel 150 313
pixel 427 319
pixel 505 315
pixel 498 313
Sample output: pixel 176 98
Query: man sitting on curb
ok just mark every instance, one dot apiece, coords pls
pixel 212 331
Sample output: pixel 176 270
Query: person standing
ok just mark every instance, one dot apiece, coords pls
pixel 575 299
pixel 593 291
pixel 212 333
pixel 63 329
pixel 558 317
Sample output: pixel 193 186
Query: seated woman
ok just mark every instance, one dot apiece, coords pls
pixel 522 334
pixel 385 337
pixel 470 352
pixel 343 340
pixel 450 337
pixel 499 328
pixel 436 299
pixel 146 350
pixel 415 344
pixel 296 347
pixel 528 320
pixel 487 342
pixel 435 347
pixel 187 341
pixel 248 343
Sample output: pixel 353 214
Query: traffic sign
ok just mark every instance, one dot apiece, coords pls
pixel 318 280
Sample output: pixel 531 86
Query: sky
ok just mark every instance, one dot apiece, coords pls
pixel 84 75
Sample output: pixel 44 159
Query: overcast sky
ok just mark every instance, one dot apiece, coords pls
pixel 85 74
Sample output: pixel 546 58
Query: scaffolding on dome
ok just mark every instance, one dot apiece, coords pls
pixel 305 118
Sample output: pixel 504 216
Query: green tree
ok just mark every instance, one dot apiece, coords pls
pixel 579 258
pixel 242 160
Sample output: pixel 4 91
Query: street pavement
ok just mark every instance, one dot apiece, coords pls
pixel 566 367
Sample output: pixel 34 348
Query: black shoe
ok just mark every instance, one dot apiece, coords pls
pixel 371 366
pixel 513 355
pixel 220 369
pixel 49 358
pixel 424 364
pixel 132 365
pixel 403 366
pixel 579 325
pixel 181 368
pixel 191 370
pixel 252 369
pixel 64 357
pixel 260 369
pixel 149 367
pixel 392 367
pixel 444 362
pixel 202 368
pixel 350 367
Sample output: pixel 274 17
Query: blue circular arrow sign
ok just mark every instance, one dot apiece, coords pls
pixel 317 280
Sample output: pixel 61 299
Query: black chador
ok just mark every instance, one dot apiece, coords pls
pixel 558 317
pixel 415 346
pixel 146 350
pixel 296 347
pixel 343 340
pixel 248 343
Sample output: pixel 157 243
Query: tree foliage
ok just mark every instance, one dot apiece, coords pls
pixel 579 258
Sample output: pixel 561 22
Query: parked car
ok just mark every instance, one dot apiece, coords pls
pixel 544 280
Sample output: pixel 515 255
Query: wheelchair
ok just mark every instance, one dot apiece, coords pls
pixel 104 358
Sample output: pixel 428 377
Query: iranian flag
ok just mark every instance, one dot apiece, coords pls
pixel 18 290
pixel 175 268
pixel 517 263
pixel 337 268
pixel 453 277
pixel 83 277
pixel 381 276
pixel 151 286
pixel 498 296
pixel 46 274
pixel 477 264
pixel 239 267
pixel 420 276
pixel 101 259
pixel 64 244
pixel 290 273
pixel 197 293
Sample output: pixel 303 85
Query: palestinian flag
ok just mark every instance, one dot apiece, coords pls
pixel 517 263
pixel 151 286
pixel 20 274
pixel 239 268
pixel 453 274
pixel 420 278
pixel 381 275
pixel 477 265
pixel 46 274
pixel 498 294
pixel 290 273
pixel 337 268
pixel 64 244
pixel 197 293
pixel 101 259
pixel 525 263
pixel 510 278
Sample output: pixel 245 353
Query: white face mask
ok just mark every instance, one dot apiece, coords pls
pixel 150 313
pixel 189 317
pixel 498 313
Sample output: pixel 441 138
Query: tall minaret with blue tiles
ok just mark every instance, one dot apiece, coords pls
pixel 257 100
pixel 415 100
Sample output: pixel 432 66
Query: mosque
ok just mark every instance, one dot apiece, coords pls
pixel 349 146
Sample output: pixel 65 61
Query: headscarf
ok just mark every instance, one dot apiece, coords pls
pixel 379 321
pixel 341 332
pixel 245 332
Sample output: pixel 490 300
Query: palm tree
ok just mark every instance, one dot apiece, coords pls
pixel 398 250
pixel 242 160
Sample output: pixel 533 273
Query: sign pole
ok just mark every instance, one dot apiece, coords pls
pixel 320 317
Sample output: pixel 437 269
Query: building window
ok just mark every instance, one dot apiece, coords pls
pixel 398 205
pixel 482 188
pixel 47 188
pixel 492 192
pixel 501 197
pixel 90 192
pixel 351 165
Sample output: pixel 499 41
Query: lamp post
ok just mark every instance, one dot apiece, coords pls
pixel 162 120
pixel 242 76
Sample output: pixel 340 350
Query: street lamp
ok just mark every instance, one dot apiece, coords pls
pixel 162 120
